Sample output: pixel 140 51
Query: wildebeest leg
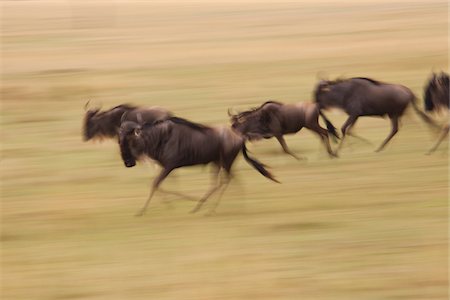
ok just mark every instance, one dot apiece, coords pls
pixel 164 173
pixel 444 133
pixel 225 185
pixel 394 121
pixel 323 133
pixel 350 133
pixel 348 124
pixel 216 185
pixel 283 144
pixel 181 195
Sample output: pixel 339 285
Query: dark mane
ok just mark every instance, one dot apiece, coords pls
pixel 180 121
pixel 255 109
pixel 190 124
pixel 376 82
pixel 340 79
pixel 125 106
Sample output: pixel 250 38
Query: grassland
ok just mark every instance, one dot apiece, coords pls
pixel 365 226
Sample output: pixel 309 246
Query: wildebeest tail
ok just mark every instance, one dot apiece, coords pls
pixel 422 115
pixel 257 165
pixel 428 101
pixel 330 127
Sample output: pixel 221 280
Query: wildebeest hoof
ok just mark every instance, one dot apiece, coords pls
pixel 140 213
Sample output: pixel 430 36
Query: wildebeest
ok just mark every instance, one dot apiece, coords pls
pixel 437 98
pixel 176 143
pixel 105 124
pixel 275 119
pixel 367 97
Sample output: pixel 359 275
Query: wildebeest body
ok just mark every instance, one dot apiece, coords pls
pixel 367 97
pixel 176 143
pixel 275 119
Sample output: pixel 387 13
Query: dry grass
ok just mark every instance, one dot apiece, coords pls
pixel 364 226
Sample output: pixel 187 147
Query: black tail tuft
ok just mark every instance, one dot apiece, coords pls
pixel 257 165
pixel 330 127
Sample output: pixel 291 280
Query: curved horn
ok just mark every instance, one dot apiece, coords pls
pixel 87 105
pixel 139 119
pixel 232 112
pixel 122 118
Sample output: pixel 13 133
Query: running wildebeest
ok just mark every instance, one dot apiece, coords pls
pixel 176 143
pixel 367 97
pixel 437 98
pixel 106 124
pixel 275 119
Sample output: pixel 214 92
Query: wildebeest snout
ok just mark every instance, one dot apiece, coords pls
pixel 130 163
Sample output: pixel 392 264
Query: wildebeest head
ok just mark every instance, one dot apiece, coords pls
pixel 130 137
pixel 331 93
pixel 323 93
pixel 98 124
pixel 252 124
pixel 437 92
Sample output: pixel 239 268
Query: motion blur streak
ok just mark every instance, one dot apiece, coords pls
pixel 363 226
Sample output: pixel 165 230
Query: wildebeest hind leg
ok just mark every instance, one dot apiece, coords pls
pixel 394 121
pixel 444 133
pixel 348 124
pixel 216 185
pixel 285 147
pixel 181 195
pixel 164 173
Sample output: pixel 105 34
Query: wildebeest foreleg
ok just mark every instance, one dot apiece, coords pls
pixel 286 149
pixel 348 124
pixel 394 122
pixel 323 134
pixel 444 133
pixel 216 185
pixel 225 185
pixel 164 173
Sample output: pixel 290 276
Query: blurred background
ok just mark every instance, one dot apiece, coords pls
pixel 364 226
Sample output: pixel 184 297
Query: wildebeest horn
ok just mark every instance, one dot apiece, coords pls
pixel 86 106
pixel 321 75
pixel 232 112
pixel 122 118
pixel 139 118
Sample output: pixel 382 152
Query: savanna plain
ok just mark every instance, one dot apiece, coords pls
pixel 363 226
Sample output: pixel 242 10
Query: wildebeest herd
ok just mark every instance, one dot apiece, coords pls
pixel 174 142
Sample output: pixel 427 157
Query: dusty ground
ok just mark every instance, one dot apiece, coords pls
pixel 364 226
